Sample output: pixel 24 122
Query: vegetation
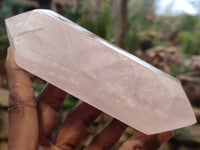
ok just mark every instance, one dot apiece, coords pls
pixel 69 102
pixel 129 24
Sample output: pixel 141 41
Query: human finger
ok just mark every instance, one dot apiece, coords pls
pixel 141 141
pixel 49 102
pixel 107 138
pixel 23 121
pixel 75 126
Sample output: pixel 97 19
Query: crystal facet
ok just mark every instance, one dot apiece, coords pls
pixel 99 73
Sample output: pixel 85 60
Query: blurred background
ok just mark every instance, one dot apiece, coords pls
pixel 165 33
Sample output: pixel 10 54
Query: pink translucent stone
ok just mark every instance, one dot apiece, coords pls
pixel 99 73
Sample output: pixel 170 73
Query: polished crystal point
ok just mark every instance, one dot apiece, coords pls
pixel 98 72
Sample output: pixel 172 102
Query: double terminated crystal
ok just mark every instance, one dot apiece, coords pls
pixel 99 73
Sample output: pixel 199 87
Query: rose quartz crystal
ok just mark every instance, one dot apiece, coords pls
pixel 99 73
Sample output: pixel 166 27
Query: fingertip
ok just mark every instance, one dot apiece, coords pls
pixel 165 136
pixel 10 61
pixel 16 75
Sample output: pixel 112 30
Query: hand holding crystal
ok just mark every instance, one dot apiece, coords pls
pixel 32 120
